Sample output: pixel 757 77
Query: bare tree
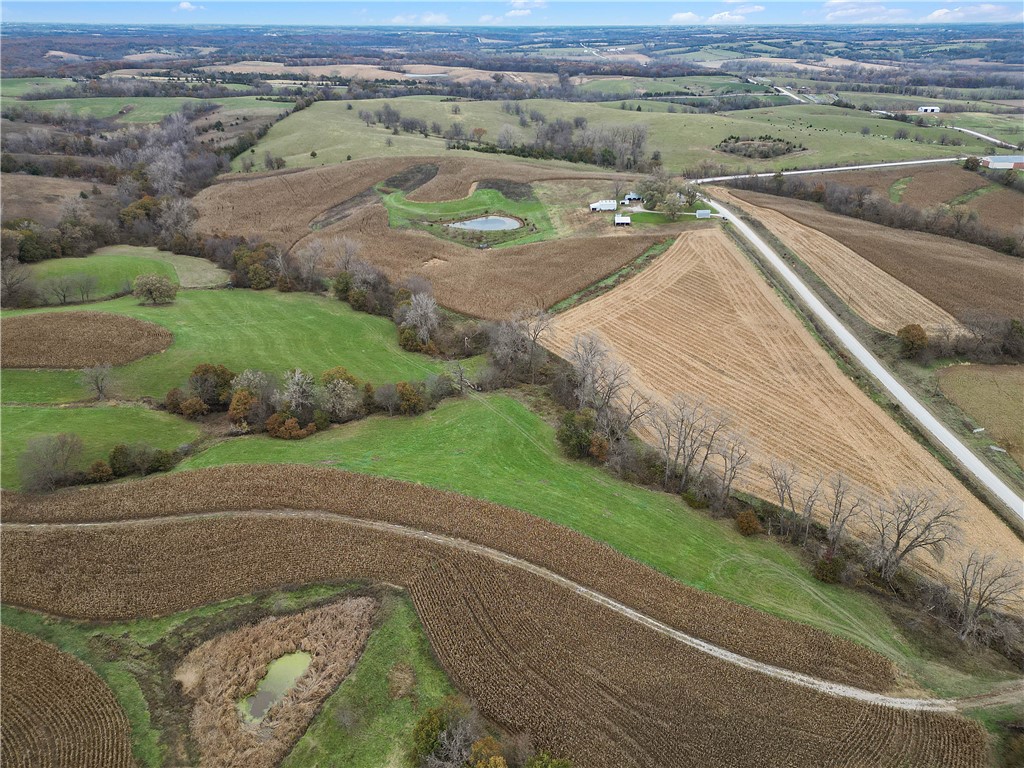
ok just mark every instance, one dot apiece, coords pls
pixel 783 478
pixel 810 497
pixel 177 217
pixel 422 316
pixel 298 395
pixel 986 584
pixel 85 285
pixel 535 325
pixel 735 455
pixel 602 379
pixel 386 397
pixel 309 261
pixel 49 460
pixel 842 508
pixel 15 282
pixel 911 520
pixel 60 287
pixel 99 380
pixel 688 433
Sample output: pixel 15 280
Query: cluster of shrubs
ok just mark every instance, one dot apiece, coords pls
pixel 763 147
pixel 454 734
pixel 297 404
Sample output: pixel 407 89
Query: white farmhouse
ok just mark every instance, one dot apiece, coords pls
pixel 604 205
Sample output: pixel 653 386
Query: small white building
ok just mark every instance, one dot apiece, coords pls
pixel 632 197
pixel 622 221
pixel 704 213
pixel 928 109
pixel 604 205
pixel 1004 162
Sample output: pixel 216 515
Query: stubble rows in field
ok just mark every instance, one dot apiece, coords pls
pixel 56 712
pixel 491 283
pixel 535 656
pixel 959 277
pixel 78 340
pixel 703 322
pixel 880 299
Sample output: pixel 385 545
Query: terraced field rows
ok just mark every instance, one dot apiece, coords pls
pixel 535 656
pixel 880 299
pixel 56 712
pixel 702 321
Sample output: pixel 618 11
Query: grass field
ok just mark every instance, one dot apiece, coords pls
pixel 382 724
pixel 101 428
pixel 992 395
pixel 832 136
pixel 403 212
pixel 150 109
pixel 15 87
pixel 487 447
pixel 697 86
pixel 117 266
pixel 242 329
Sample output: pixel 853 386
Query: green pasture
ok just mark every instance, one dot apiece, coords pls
pixel 698 85
pixel 149 109
pixel 116 267
pixel 832 136
pixel 492 447
pixel 100 427
pixel 430 217
pixel 240 329
pixel 16 87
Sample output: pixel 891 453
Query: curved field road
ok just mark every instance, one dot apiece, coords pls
pixel 796 678
pixel 892 386
pixel 993 139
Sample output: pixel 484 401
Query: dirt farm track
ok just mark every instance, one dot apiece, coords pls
pixel 536 656
pixel 724 335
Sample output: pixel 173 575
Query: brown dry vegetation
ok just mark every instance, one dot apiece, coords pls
pixel 702 321
pixel 56 712
pixel 959 277
pixel 875 295
pixel 224 670
pixel 371 72
pixel 577 557
pixel 993 395
pixel 40 197
pixel 78 340
pixel 491 283
pixel 535 656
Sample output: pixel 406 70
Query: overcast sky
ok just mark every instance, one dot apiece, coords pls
pixel 513 12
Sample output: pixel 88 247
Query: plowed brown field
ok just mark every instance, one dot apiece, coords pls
pixel 959 277
pixel 702 321
pixel 78 340
pixel 537 657
pixel 56 712
pixel 878 297
pixel 490 283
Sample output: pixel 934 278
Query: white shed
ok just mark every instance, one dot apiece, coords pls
pixel 622 221
pixel 928 109
pixel 604 205
pixel 632 197
pixel 704 213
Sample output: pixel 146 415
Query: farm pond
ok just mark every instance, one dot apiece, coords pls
pixel 488 223
pixel 282 674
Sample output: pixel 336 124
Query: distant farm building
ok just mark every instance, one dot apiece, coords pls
pixel 604 205
pixel 632 197
pixel 622 221
pixel 1004 162
pixel 704 213
pixel 928 109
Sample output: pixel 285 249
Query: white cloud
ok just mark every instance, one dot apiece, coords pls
pixel 528 3
pixel 983 13
pixel 425 19
pixel 518 12
pixel 684 18
pixel 750 9
pixel 187 6
pixel 726 17
pixel 853 11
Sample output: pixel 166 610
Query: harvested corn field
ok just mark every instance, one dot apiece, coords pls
pixel 580 558
pixel 959 277
pixel 536 656
pixel 335 203
pixel 56 712
pixel 221 672
pixel 78 340
pixel 880 299
pixel 703 321
pixel 992 395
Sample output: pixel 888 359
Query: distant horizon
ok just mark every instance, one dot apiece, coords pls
pixel 488 14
